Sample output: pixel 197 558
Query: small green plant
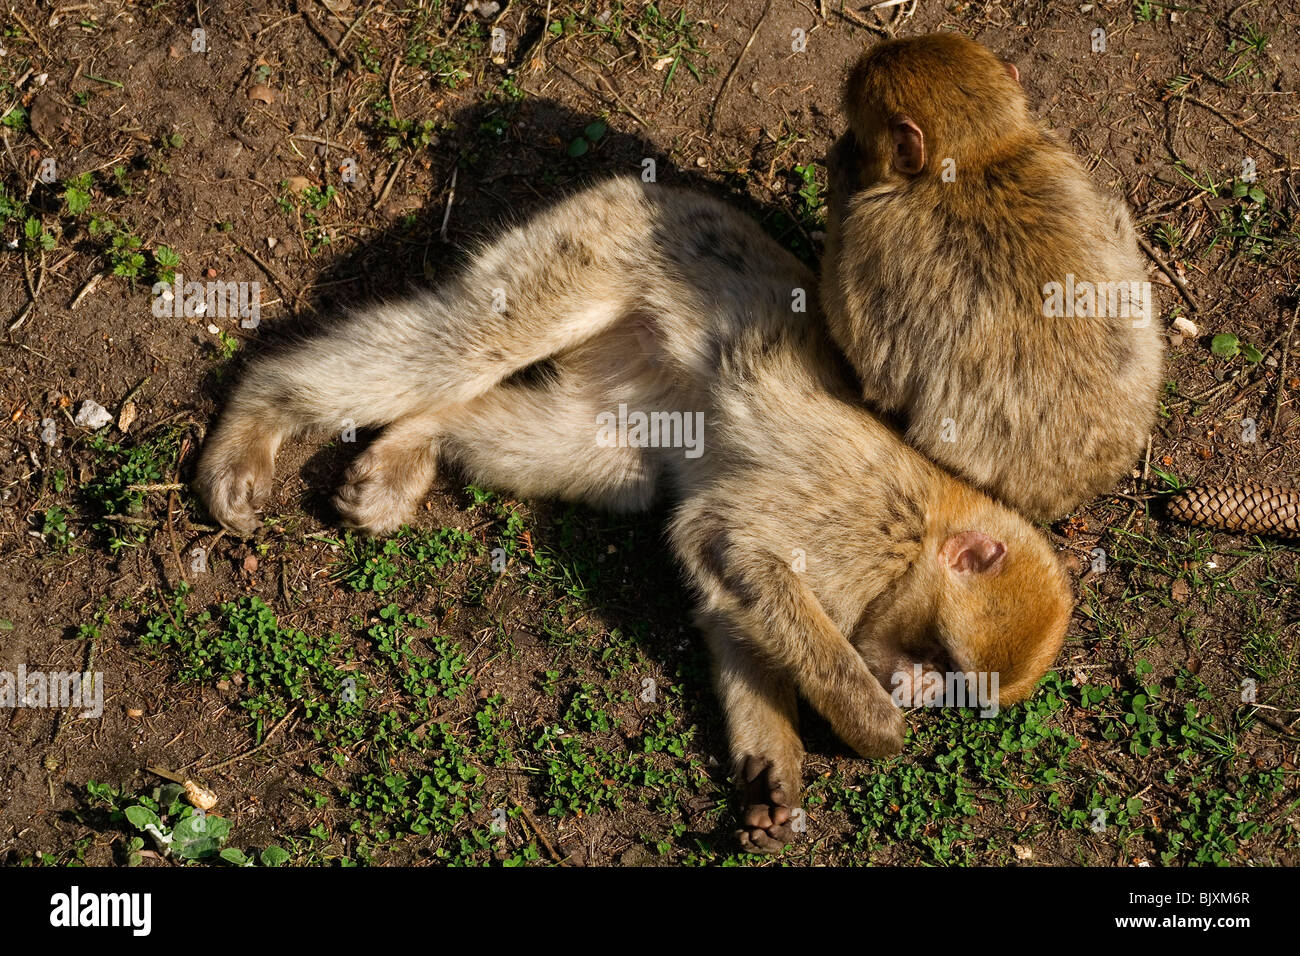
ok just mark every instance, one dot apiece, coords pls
pixel 76 194
pixel 404 135
pixel 318 199
pixel 592 135
pixel 120 247
pixel 122 180
pixel 280 667
pixel 16 118
pixel 55 531
pixel 447 59
pixel 1227 346
pixel 114 493
pixel 810 195
pixel 35 237
pixel 175 828
pixel 671 40
pixel 307 204
pixel 1249 223
pixel 272 856
pixel 407 558
pixel 165 263
pixel 11 208
pixel 1147 10
pixel 1169 235
pixel 227 345
pixel 124 256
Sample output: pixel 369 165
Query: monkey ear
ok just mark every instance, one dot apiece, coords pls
pixel 973 552
pixel 1012 71
pixel 909 146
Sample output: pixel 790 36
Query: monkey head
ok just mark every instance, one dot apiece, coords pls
pixel 986 595
pixel 917 102
pixel 1004 604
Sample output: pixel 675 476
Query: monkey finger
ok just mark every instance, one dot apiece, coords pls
pixel 760 841
pixel 757 815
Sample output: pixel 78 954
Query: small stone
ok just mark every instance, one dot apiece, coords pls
pixel 200 796
pixel 126 417
pixel 92 415
pixel 1185 326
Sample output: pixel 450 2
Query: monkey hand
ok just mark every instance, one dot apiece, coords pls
pixel 876 728
pixel 234 478
pixel 770 807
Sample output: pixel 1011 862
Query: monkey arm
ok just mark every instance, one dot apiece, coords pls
pixel 762 728
pixel 782 622
pixel 789 627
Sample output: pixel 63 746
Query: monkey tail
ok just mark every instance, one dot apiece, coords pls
pixel 1248 507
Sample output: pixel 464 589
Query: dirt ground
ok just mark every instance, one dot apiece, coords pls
pixel 1168 733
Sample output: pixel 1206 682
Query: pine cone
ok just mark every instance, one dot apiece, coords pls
pixel 1246 507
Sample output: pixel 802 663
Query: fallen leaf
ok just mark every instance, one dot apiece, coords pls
pixel 262 93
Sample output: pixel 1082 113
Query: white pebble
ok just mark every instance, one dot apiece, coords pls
pixel 91 414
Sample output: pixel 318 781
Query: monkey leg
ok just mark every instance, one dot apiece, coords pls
pixel 530 445
pixel 766 751
pixel 538 290
pixel 376 369
pixel 541 442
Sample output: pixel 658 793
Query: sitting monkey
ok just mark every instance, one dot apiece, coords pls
pixel 981 285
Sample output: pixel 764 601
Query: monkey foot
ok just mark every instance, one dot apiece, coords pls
pixel 766 820
pixel 381 490
pixel 234 478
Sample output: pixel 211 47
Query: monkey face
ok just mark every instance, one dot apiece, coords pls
pixel 898 637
